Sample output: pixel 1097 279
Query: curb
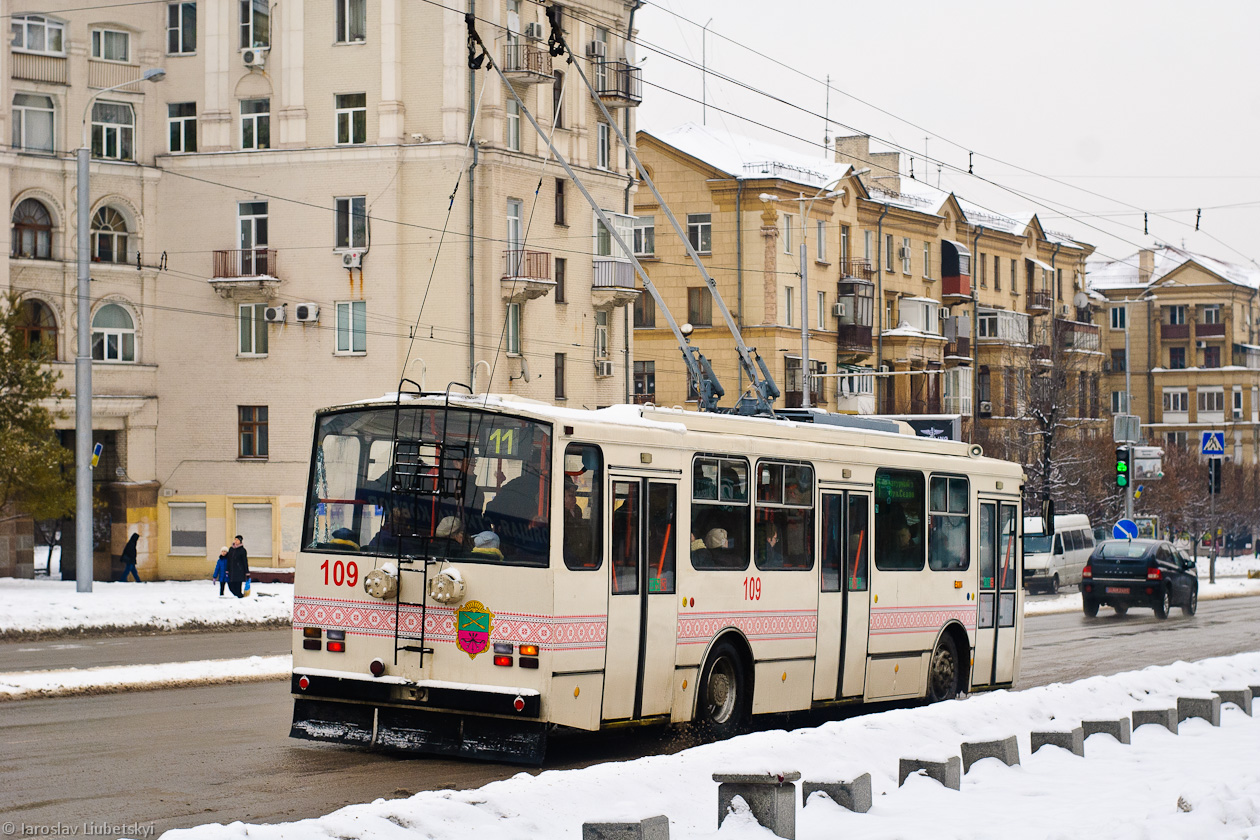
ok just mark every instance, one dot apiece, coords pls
pixel 150 629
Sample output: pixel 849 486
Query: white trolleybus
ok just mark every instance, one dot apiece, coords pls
pixel 477 571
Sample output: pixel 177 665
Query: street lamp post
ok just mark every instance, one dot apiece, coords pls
pixel 83 357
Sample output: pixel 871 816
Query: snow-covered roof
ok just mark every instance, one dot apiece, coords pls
pixel 748 158
pixel 1125 273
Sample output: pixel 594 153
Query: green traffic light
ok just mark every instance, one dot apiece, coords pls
pixel 1122 481
pixel 1121 466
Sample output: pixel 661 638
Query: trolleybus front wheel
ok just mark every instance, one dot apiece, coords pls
pixel 723 702
pixel 943 672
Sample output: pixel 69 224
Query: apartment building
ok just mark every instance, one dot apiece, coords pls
pixel 295 217
pixel 1182 330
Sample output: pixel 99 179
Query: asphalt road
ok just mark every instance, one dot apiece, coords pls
pixel 183 757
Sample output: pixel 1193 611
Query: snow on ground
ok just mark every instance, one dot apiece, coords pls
pixel 23 685
pixel 1201 783
pixel 1069 600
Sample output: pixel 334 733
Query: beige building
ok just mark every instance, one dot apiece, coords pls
pixel 294 218
pixel 1192 325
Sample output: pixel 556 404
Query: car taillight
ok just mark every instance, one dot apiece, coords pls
pixel 1088 571
pixel 1154 573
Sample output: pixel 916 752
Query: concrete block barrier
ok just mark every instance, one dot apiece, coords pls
pixel 652 828
pixel 1240 697
pixel 1208 708
pixel 1005 750
pixel 1073 740
pixel 854 795
pixel 1166 718
pixel 1118 729
pixel 770 796
pixel 948 772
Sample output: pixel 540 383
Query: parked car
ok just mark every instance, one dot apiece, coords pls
pixel 1056 559
pixel 1139 573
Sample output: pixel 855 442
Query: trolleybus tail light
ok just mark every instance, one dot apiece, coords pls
pixel 336 647
pixel 312 633
pixel 339 635
pixel 529 650
pixel 312 644
pixel 377 667
pixel 529 662
pixel 503 661
pixel 304 683
pixel 519 704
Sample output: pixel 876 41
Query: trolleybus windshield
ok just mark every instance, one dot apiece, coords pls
pixel 468 484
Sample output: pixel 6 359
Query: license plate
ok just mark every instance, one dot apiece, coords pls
pixel 1117 590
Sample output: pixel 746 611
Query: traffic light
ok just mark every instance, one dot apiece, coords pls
pixel 1122 466
pixel 1214 476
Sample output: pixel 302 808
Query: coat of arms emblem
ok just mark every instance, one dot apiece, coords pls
pixel 473 623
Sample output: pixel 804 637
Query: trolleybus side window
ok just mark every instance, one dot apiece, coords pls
pixel 899 515
pixel 832 559
pixel 949 524
pixel 784 534
pixel 625 537
pixel 583 511
pixel 859 545
pixel 662 525
pixel 719 513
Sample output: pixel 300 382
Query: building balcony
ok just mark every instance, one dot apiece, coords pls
pixel 526 275
pixel 250 270
pixel 1073 335
pixel 959 348
pixel 618 83
pixel 957 287
pixel 860 269
pixel 1209 330
pixel 853 339
pixel 39 68
pixel 1041 353
pixel 526 64
pixel 612 283
pixel 1040 302
pixel 644 399
pixel 1174 332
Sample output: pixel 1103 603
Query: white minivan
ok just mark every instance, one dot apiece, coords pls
pixel 1056 559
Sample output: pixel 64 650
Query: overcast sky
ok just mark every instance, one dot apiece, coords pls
pixel 1149 104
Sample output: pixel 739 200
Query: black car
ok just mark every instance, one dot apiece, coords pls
pixel 1139 573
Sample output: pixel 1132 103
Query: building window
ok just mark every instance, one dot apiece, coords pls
pixel 562 214
pixel 514 125
pixel 352 222
pixel 1211 400
pixel 1059 283
pixel 188 528
pixel 38 34
pixel 905 255
pixel 997 273
pixel 603 150
pixel 352 327
pixel 888 252
pixel 351 119
pixel 1212 314
pixel 645 311
pixel 33 122
pixel 601 334
pixel 1176 314
pixel 927 260
pixel 822 310
pixel 1177 358
pixel 513 329
pixel 252 221
pixel 792 395
pixel 986 325
pixel 255 24
pixel 251 431
pixel 1118 403
pixel 109 236
pixel 787 234
pixel 560 393
pixel 181 121
pixel 111 45
pixel 113 131
pixel 699 307
pixel 562 268
pixel 1117 361
pixel 32 231
pixel 700 232
pixel 1118 319
pixel 253 329
pixel 557 98
pixel 181 28
pixel 645 236
pixel 255 123
pixel 1212 357
pixel 788 308
pixel 645 382
pixel 868 245
pixel 844 244
pixel 113 335
pixel 38 328
pixel 1178 439
pixel 1176 400
pixel 351 21
pixel 820 236
pixel 1014 277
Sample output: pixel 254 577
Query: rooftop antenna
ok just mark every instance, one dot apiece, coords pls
pixel 827 117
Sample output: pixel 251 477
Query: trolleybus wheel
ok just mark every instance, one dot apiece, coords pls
pixel 943 672
pixel 723 702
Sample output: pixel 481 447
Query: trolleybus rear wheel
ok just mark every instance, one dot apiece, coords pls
pixel 723 702
pixel 943 672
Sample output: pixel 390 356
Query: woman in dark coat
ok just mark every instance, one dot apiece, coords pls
pixel 238 566
pixel 129 559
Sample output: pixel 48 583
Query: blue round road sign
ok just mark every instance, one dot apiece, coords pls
pixel 1124 529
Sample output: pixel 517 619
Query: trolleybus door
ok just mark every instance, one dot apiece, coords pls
pixel 642 613
pixel 997 630
pixel 844 608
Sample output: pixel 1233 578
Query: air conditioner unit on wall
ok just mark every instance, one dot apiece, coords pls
pixel 535 31
pixel 275 314
pixel 255 57
pixel 596 49
pixel 839 310
pixel 943 313
pixel 352 259
pixel 986 407
pixel 1202 345
pixel 604 368
pixel 1237 413
pixel 306 313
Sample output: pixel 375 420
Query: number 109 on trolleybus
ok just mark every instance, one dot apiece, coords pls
pixel 477 572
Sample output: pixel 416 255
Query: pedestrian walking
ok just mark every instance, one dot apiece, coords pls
pixel 220 570
pixel 129 559
pixel 237 566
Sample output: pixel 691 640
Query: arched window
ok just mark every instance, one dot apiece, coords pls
pixel 109 236
pixel 39 329
pixel 113 335
pixel 32 231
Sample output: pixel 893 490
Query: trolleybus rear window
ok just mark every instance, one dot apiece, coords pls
pixel 444 483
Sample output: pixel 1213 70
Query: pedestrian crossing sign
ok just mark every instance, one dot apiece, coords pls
pixel 1213 443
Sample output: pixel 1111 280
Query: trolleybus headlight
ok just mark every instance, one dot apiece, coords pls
pixel 377 667
pixel 447 586
pixel 381 583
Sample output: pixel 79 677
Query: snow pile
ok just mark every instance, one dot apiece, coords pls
pixel 42 607
pixel 1115 791
pixel 21 685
